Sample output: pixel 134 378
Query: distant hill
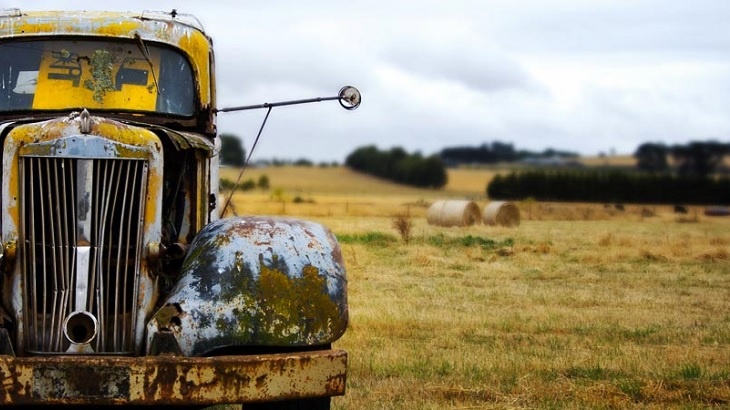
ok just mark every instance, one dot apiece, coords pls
pixel 612 161
pixel 343 181
pixel 462 181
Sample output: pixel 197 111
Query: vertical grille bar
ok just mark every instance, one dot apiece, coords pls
pixel 49 213
pixel 47 249
pixel 123 252
pixel 58 257
pixel 117 229
pixel 100 211
pixel 68 198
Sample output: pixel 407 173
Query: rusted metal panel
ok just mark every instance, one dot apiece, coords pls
pixel 187 140
pixel 170 379
pixel 63 136
pixel 257 281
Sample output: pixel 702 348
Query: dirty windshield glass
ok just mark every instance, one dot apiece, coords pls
pixel 70 74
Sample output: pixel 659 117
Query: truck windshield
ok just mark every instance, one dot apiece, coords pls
pixel 103 75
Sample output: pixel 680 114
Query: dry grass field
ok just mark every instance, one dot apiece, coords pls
pixel 612 161
pixel 580 306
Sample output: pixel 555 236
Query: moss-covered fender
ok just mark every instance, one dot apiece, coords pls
pixel 256 281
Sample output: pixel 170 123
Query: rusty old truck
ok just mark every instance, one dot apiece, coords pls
pixel 122 280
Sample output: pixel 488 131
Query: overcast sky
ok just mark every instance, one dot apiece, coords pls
pixel 591 76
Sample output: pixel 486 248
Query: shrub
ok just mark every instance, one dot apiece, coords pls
pixel 403 225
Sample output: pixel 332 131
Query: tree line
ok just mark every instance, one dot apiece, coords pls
pixel 397 165
pixel 692 177
pixel 495 152
pixel 697 158
pixel 610 187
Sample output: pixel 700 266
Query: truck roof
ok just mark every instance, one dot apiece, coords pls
pixel 151 25
pixel 181 31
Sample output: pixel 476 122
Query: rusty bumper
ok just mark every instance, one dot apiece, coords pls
pixel 171 379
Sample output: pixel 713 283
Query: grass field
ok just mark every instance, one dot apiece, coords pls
pixel 581 306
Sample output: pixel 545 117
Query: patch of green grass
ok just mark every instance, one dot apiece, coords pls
pixel 719 335
pixel 442 240
pixel 723 375
pixel 508 382
pixel 651 334
pixel 368 238
pixel 691 371
pixel 632 388
pixel 445 368
pixel 460 267
pixel 592 372
pixel 477 372
pixel 420 368
pixel 477 337
pixel 533 273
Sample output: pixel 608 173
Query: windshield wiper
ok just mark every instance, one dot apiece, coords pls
pixel 146 53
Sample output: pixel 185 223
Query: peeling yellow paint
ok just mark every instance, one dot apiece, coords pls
pixel 198 47
pixel 154 185
pixel 123 133
pixel 53 129
pixel 165 380
pixel 192 41
pixel 29 28
pixel 119 29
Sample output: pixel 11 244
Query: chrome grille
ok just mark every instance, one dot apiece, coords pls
pixel 81 248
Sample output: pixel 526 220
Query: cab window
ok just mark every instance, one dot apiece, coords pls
pixel 102 75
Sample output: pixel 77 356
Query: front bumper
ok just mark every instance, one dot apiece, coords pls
pixel 171 379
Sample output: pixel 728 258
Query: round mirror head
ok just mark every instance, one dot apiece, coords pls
pixel 350 97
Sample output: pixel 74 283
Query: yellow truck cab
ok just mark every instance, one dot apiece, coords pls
pixel 121 282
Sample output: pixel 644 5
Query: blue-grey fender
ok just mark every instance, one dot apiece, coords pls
pixel 256 281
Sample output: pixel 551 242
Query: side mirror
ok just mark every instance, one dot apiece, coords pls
pixel 350 97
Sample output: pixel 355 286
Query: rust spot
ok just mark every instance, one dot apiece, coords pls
pixel 261 382
pixel 336 384
pixel 169 316
pixel 165 380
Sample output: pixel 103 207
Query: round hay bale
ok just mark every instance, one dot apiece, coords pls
pixel 501 213
pixel 453 213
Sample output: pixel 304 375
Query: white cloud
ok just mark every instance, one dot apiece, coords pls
pixel 581 75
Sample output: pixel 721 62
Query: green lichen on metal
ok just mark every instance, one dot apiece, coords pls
pixel 238 261
pixel 196 254
pixel 102 66
pixel 102 63
pixel 165 314
pixel 251 295
pixel 292 306
pixel 276 307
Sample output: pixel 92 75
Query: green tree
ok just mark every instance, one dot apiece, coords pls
pixel 699 158
pixel 651 157
pixel 232 152
pixel 399 166
pixel 263 182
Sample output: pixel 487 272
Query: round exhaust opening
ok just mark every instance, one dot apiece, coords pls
pixel 80 327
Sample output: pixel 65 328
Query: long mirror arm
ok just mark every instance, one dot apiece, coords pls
pixel 349 98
